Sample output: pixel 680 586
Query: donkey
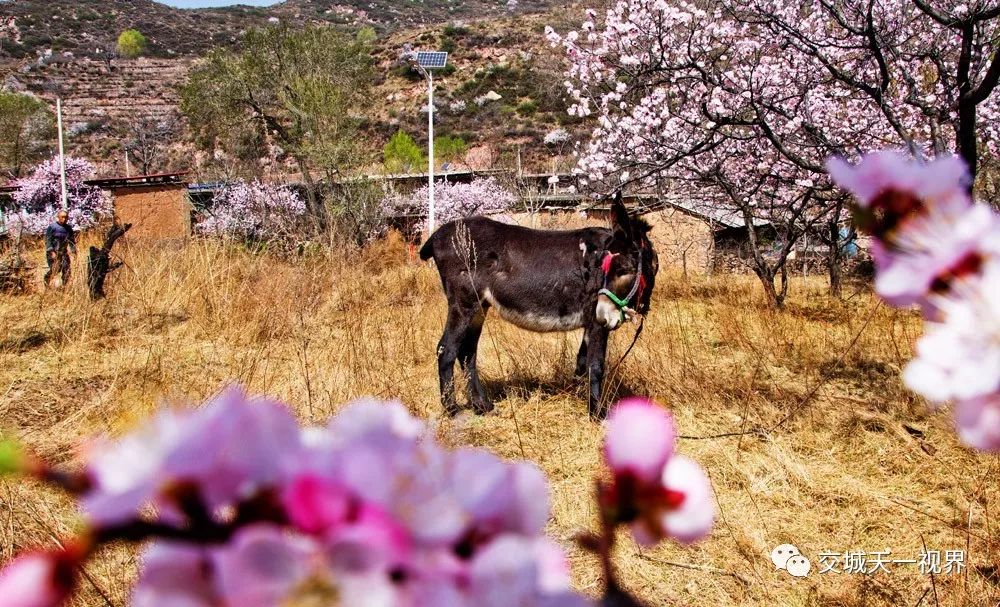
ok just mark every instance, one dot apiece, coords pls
pixel 542 281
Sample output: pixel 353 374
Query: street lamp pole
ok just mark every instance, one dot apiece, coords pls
pixel 430 150
pixel 427 62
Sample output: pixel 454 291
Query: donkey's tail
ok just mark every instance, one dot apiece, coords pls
pixel 427 251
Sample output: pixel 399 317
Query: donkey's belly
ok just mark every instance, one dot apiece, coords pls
pixel 539 321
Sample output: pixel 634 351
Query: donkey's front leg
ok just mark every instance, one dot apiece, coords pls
pixel 581 357
pixel 597 345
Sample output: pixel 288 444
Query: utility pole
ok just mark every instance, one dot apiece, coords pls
pixel 62 157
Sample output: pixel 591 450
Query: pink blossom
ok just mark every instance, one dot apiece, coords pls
pixel 958 357
pixel 232 447
pixel 370 540
pixel 40 579
pixel 370 508
pixel 262 566
pixel 175 574
pixel 316 505
pixel 978 422
pixel 928 232
pixel 40 196
pixel 254 211
pixel 928 255
pixel 936 248
pixel 657 493
pixel 509 572
pixel 692 519
pixel 939 185
pixel 455 200
pixel 639 439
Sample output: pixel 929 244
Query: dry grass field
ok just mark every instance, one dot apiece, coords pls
pixel 799 416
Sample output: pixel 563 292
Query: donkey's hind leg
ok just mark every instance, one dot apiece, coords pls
pixel 455 330
pixel 467 356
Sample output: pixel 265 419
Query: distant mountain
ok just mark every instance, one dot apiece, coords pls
pixel 502 93
pixel 90 27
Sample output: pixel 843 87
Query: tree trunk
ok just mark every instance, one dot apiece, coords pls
pixel 833 259
pixel 966 137
pixel 99 262
pixel 313 202
pixel 775 299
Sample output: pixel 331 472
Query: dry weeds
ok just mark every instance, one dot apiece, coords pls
pixel 799 416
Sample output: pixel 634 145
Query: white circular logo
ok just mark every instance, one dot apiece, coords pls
pixel 781 554
pixel 798 566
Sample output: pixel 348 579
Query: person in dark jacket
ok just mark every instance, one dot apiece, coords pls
pixel 60 239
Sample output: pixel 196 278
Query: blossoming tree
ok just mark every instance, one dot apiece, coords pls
pixel 742 102
pixel 40 195
pixel 454 200
pixel 255 212
pixel 246 509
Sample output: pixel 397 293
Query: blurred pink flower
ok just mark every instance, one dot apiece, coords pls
pixel 39 579
pixel 639 439
pixel 262 566
pixel 930 254
pixel 657 493
pixel 958 357
pixel 316 505
pixel 228 449
pixel 939 184
pixel 175 573
pixel 978 422
pixel 692 518
pixel 510 572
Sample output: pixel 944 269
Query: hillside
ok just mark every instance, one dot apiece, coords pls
pixel 506 56
pixel 90 27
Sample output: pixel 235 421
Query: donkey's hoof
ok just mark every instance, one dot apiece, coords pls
pixel 482 408
pixel 452 411
pixel 598 415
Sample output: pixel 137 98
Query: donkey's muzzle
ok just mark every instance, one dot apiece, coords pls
pixel 608 314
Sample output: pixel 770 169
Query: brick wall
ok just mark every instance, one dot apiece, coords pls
pixel 156 213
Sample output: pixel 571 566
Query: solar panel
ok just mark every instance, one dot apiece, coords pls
pixel 431 60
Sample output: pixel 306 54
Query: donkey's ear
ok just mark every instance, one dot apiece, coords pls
pixel 621 223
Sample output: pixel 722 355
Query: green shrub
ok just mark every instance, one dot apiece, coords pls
pixel 528 108
pixel 449 149
pixel 401 154
pixel 131 43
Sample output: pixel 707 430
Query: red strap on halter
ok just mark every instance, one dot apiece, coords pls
pixel 606 262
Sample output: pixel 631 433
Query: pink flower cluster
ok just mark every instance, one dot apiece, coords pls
pixel 455 200
pixel 655 491
pixel 373 510
pixel 936 248
pixel 246 508
pixel 254 211
pixel 40 196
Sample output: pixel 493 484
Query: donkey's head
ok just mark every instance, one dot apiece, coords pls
pixel 629 265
